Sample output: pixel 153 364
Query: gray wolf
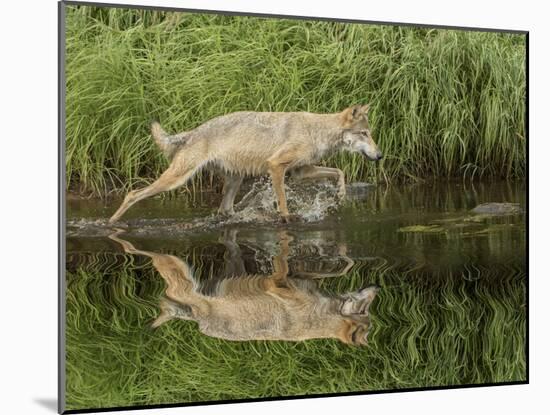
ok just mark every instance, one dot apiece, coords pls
pixel 260 307
pixel 256 143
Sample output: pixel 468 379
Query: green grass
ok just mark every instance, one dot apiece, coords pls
pixel 428 330
pixel 444 103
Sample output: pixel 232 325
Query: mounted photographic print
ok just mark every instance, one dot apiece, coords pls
pixel 260 207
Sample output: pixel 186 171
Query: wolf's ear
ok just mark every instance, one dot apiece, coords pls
pixel 368 293
pixel 356 112
pixel 358 302
pixel 351 115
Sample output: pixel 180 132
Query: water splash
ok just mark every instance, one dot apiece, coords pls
pixel 309 202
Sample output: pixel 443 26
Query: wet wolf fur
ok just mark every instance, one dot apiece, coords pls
pixel 256 143
pixel 241 306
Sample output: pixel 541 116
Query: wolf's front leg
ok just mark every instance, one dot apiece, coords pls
pixel 278 283
pixel 277 174
pixel 278 164
pixel 319 172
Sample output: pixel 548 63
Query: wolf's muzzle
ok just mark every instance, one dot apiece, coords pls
pixel 376 157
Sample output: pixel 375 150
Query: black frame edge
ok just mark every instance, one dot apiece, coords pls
pixel 527 205
pixel 61 306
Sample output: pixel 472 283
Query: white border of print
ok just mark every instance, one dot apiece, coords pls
pixel 29 208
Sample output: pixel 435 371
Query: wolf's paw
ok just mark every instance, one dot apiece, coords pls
pixel 285 237
pixel 341 194
pixel 290 218
pixel 226 213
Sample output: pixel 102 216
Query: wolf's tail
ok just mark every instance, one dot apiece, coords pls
pixel 169 144
pixel 169 310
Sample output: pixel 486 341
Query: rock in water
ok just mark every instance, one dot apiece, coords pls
pixel 359 190
pixel 497 209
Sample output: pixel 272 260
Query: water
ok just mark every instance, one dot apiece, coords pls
pixel 426 292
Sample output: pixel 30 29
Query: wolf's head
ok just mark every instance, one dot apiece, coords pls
pixel 355 310
pixel 361 142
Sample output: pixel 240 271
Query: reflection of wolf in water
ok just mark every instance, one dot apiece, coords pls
pixel 260 307
pixel 255 143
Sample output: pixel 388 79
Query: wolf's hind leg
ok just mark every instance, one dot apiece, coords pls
pixel 179 282
pixel 231 185
pixel 171 179
pixel 318 172
pixel 233 260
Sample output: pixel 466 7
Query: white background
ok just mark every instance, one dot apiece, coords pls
pixel 28 151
